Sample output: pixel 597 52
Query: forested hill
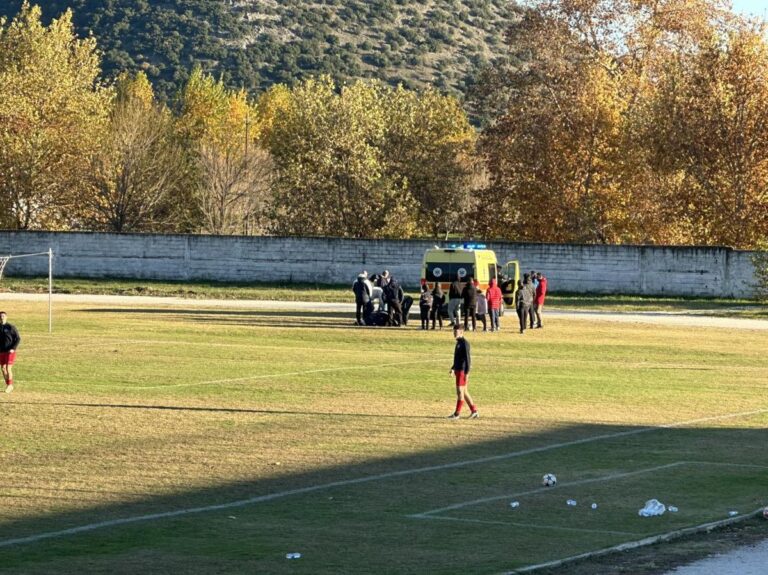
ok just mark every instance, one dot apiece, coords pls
pixel 255 43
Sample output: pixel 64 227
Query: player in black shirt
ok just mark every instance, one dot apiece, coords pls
pixel 462 362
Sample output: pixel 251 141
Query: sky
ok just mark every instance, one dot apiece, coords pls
pixel 755 7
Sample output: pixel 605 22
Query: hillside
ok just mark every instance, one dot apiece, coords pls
pixel 255 43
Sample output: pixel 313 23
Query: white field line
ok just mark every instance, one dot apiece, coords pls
pixel 635 544
pixel 355 481
pixel 533 526
pixel 130 387
pixel 432 512
pixel 278 375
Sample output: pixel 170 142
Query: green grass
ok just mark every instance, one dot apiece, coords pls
pixel 131 410
pixel 342 293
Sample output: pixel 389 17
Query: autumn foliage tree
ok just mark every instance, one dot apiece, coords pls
pixel 53 112
pixel 139 168
pixel 627 121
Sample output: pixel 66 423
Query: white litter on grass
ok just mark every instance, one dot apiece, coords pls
pixel 514 504
pixel 293 555
pixel 672 509
pixel 733 513
pixel 594 506
pixel 653 508
pixel 571 502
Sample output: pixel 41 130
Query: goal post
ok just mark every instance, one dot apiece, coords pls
pixel 4 262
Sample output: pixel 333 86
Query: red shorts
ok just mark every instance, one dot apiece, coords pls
pixel 461 378
pixel 7 358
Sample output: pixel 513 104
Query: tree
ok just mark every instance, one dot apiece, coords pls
pixel 331 176
pixel 232 173
pixel 711 135
pixel 234 188
pixel 429 147
pixel 140 166
pixel 53 110
pixel 570 117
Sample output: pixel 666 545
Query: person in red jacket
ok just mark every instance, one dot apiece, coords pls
pixel 541 293
pixel 495 301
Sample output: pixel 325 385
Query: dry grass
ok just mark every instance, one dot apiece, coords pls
pixel 115 415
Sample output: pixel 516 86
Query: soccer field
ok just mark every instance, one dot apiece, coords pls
pixel 194 440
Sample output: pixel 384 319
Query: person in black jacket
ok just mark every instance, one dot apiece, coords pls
pixel 454 302
pixel 393 295
pixel 362 298
pixel 469 296
pixel 462 362
pixel 9 343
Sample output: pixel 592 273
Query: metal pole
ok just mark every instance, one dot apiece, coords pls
pixel 50 290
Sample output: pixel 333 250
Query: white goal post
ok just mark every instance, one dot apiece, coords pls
pixel 4 261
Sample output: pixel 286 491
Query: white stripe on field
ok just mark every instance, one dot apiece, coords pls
pixel 356 481
pixel 429 514
pixel 277 375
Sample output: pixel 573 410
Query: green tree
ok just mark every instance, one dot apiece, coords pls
pixel 429 147
pixel 331 176
pixel 53 111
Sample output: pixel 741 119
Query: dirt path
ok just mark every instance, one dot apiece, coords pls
pixel 660 318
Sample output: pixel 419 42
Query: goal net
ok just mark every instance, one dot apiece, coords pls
pixel 5 260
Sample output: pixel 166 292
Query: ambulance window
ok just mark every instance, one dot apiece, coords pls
pixel 491 272
pixel 437 271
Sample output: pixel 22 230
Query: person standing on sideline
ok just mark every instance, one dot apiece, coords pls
pixel 438 299
pixel 528 284
pixel 482 308
pixel 425 304
pixel 362 298
pixel 454 302
pixel 495 301
pixel 469 296
pixel 9 343
pixel 392 296
pixel 541 293
pixel 523 299
pixel 462 362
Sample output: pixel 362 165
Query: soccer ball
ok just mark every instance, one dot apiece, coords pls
pixel 549 480
pixel 765 512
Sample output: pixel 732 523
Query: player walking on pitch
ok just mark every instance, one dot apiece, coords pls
pixel 462 361
pixel 9 343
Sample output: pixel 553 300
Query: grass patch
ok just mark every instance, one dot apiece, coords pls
pixel 343 294
pixel 134 410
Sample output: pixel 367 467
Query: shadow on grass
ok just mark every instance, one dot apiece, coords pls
pixel 314 318
pixel 354 518
pixel 128 406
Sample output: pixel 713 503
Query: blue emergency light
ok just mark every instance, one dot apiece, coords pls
pixel 469 246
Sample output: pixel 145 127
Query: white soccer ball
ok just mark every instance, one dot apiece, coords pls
pixel 549 480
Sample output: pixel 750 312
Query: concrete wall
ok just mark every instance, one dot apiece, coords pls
pixel 695 271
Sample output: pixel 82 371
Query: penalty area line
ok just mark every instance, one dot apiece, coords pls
pixel 354 481
pixel 432 513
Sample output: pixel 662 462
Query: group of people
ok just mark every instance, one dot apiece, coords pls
pixel 529 300
pixel 394 305
pixel 468 300
pixel 465 299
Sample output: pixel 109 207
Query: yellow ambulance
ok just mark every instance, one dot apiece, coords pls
pixel 445 265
